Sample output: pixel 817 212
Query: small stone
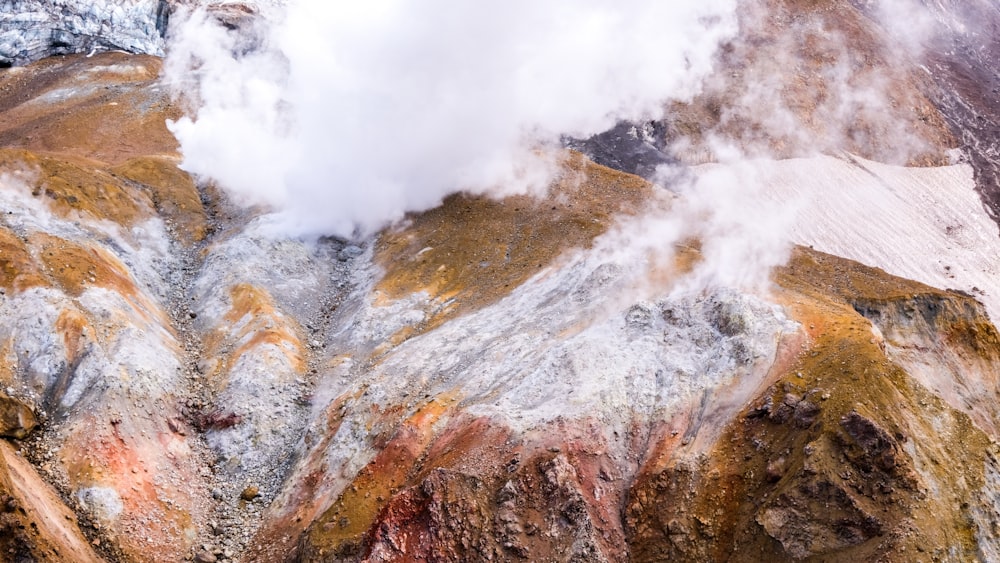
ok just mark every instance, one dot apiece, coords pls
pixel 776 469
pixel 250 493
pixel 205 556
pixel 217 494
pixel 349 252
pixel 806 412
pixel 176 426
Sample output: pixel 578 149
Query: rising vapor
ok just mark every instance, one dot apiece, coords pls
pixel 343 116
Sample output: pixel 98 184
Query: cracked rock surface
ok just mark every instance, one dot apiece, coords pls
pixel 34 29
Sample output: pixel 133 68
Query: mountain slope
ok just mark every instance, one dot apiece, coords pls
pixel 612 372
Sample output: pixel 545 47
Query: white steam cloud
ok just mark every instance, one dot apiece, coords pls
pixel 341 116
pixel 743 233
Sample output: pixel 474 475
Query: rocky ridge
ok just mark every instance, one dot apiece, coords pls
pixel 31 30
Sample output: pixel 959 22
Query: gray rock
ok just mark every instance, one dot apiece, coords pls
pixel 34 29
pixel 349 252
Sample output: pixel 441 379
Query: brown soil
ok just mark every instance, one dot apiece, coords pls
pixel 71 185
pixel 472 251
pixel 117 110
pixel 18 270
pixel 173 193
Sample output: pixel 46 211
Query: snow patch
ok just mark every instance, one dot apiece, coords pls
pixel 924 224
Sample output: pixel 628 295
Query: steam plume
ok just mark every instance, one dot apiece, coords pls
pixel 342 115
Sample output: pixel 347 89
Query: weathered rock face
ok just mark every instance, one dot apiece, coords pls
pixel 964 83
pixel 844 454
pixel 89 341
pixel 35 525
pixel 519 379
pixel 33 29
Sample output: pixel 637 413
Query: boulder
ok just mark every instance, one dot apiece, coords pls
pixel 16 418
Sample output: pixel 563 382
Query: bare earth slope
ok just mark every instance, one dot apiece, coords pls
pixel 520 379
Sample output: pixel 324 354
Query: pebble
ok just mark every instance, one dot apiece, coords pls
pixel 250 493
pixel 349 252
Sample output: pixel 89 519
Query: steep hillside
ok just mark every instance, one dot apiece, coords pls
pixel 784 355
